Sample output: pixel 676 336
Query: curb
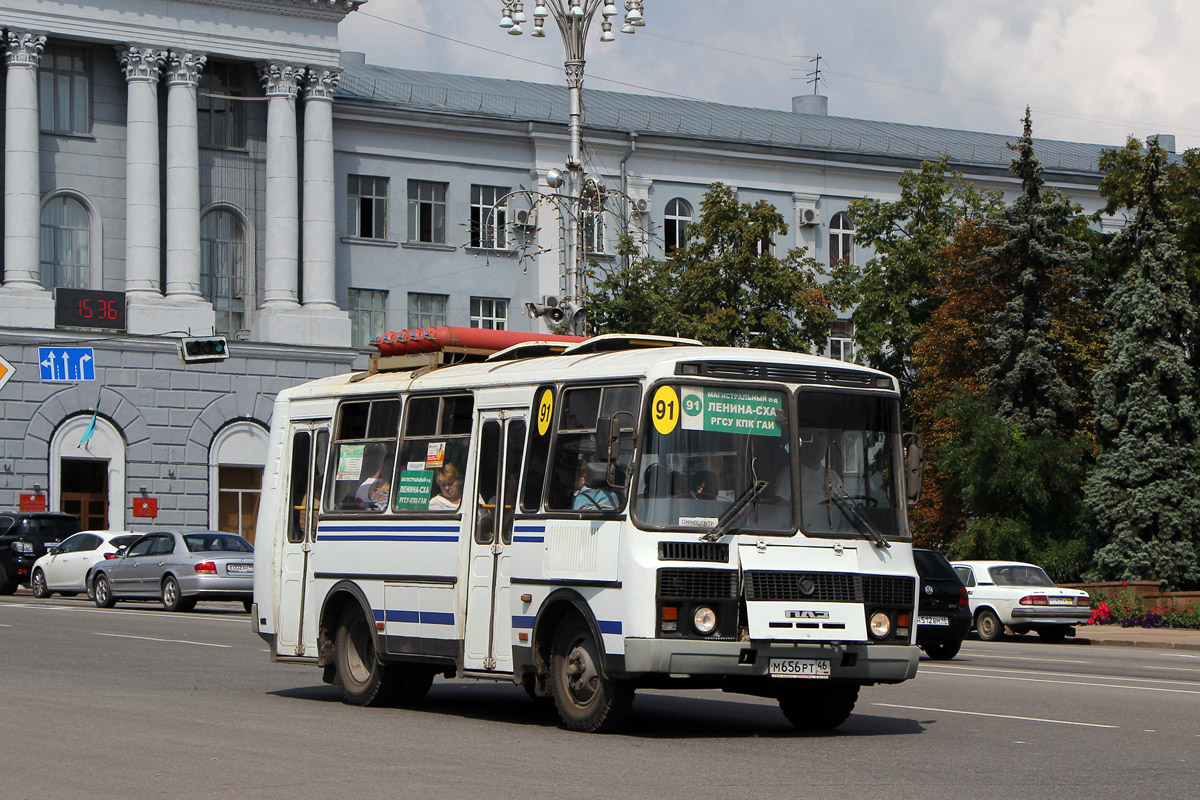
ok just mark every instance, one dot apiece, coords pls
pixel 1138 643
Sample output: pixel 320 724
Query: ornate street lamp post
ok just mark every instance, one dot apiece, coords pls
pixel 574 19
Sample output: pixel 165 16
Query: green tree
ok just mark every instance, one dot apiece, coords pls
pixel 1143 491
pixel 725 287
pixel 893 293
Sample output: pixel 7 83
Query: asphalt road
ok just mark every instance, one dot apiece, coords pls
pixel 137 702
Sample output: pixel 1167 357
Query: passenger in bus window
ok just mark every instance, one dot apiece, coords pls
pixel 591 488
pixel 449 482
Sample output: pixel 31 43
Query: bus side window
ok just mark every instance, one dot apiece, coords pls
pixel 432 467
pixel 364 456
pixel 538 453
pixel 579 480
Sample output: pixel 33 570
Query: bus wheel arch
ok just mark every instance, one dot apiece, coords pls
pixel 559 607
pixel 341 596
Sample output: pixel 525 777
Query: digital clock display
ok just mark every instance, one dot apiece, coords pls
pixel 86 308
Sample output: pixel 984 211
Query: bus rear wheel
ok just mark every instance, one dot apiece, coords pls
pixel 587 699
pixel 820 707
pixel 363 675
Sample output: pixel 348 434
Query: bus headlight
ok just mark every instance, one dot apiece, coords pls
pixel 705 620
pixel 881 624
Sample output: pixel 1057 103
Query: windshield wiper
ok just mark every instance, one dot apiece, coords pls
pixel 735 511
pixel 839 495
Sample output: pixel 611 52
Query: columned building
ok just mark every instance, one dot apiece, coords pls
pixel 220 168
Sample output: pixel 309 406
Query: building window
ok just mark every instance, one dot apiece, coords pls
pixel 489 312
pixel 220 107
pixel 65 94
pixel 488 220
pixel 223 268
pixel 66 244
pixel 426 310
pixel 841 340
pixel 238 493
pixel 676 218
pixel 368 316
pixel 366 206
pixel 427 212
pixel 841 240
pixel 593 231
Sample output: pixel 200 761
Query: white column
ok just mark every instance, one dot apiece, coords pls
pixel 319 231
pixel 183 175
pixel 185 309
pixel 23 301
pixel 282 263
pixel 143 210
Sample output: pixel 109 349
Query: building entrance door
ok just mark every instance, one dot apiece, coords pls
pixel 84 483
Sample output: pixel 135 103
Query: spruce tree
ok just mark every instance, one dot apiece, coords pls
pixel 1040 267
pixel 1143 491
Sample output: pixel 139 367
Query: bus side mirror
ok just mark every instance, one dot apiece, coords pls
pixel 914 467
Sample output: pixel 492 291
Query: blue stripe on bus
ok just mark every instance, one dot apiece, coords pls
pixel 609 625
pixel 426 617
pixel 530 528
pixel 522 622
pixel 398 528
pixel 529 538
pixel 379 537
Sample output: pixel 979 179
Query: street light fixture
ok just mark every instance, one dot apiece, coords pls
pixel 574 19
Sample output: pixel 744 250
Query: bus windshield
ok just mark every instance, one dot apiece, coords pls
pixel 849 465
pixel 705 446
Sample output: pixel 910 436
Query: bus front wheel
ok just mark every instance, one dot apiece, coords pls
pixel 818 708
pixel 587 699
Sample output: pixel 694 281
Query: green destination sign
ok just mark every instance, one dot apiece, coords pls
pixel 732 410
pixel 413 492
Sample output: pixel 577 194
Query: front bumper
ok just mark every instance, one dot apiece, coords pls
pixel 856 661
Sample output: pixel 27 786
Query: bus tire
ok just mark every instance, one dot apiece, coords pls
pixel 820 708
pixel 363 675
pixel 587 699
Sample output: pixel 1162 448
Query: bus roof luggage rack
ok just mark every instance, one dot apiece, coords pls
pixel 609 342
pixel 432 347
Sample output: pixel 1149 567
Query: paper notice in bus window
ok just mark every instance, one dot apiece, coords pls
pixel 414 490
pixel 349 463
pixel 435 456
pixel 414 465
pixel 731 410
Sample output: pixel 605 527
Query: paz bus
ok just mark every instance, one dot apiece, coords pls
pixel 586 517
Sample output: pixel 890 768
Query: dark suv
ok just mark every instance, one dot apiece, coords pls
pixel 24 537
pixel 943 614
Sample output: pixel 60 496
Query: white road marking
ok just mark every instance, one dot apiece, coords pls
pixel 228 617
pixel 1073 683
pixel 997 716
pixel 1025 658
pixel 168 641
pixel 964 668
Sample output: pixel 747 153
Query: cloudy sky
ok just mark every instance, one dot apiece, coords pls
pixel 1092 70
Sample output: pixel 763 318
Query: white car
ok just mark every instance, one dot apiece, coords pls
pixel 1021 596
pixel 66 568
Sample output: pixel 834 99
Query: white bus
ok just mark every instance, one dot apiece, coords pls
pixel 587 517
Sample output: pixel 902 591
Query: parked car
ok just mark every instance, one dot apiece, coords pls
pixel 24 537
pixel 178 568
pixel 943 610
pixel 66 568
pixel 1022 597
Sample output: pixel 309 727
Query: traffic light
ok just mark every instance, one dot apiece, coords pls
pixel 203 350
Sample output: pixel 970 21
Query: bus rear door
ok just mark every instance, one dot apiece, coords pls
pixel 296 629
pixel 489 616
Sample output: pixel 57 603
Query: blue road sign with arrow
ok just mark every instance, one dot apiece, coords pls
pixel 67 363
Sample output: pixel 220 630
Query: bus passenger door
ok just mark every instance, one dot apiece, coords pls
pixel 296 630
pixel 489 612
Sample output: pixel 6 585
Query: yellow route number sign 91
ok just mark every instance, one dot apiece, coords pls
pixel 545 412
pixel 664 410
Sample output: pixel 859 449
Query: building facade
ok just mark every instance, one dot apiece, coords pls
pixel 221 168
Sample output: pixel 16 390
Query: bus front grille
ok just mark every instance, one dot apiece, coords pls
pixel 694 551
pixel 697 584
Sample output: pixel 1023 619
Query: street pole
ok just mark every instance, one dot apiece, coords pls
pixel 574 19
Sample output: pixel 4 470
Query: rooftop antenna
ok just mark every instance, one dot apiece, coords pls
pixel 814 75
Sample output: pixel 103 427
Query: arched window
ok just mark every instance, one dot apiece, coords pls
pixel 236 457
pixel 66 244
pixel 841 240
pixel 223 268
pixel 676 218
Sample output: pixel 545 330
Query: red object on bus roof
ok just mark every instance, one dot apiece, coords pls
pixel 427 340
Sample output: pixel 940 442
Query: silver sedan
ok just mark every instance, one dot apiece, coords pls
pixel 178 568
